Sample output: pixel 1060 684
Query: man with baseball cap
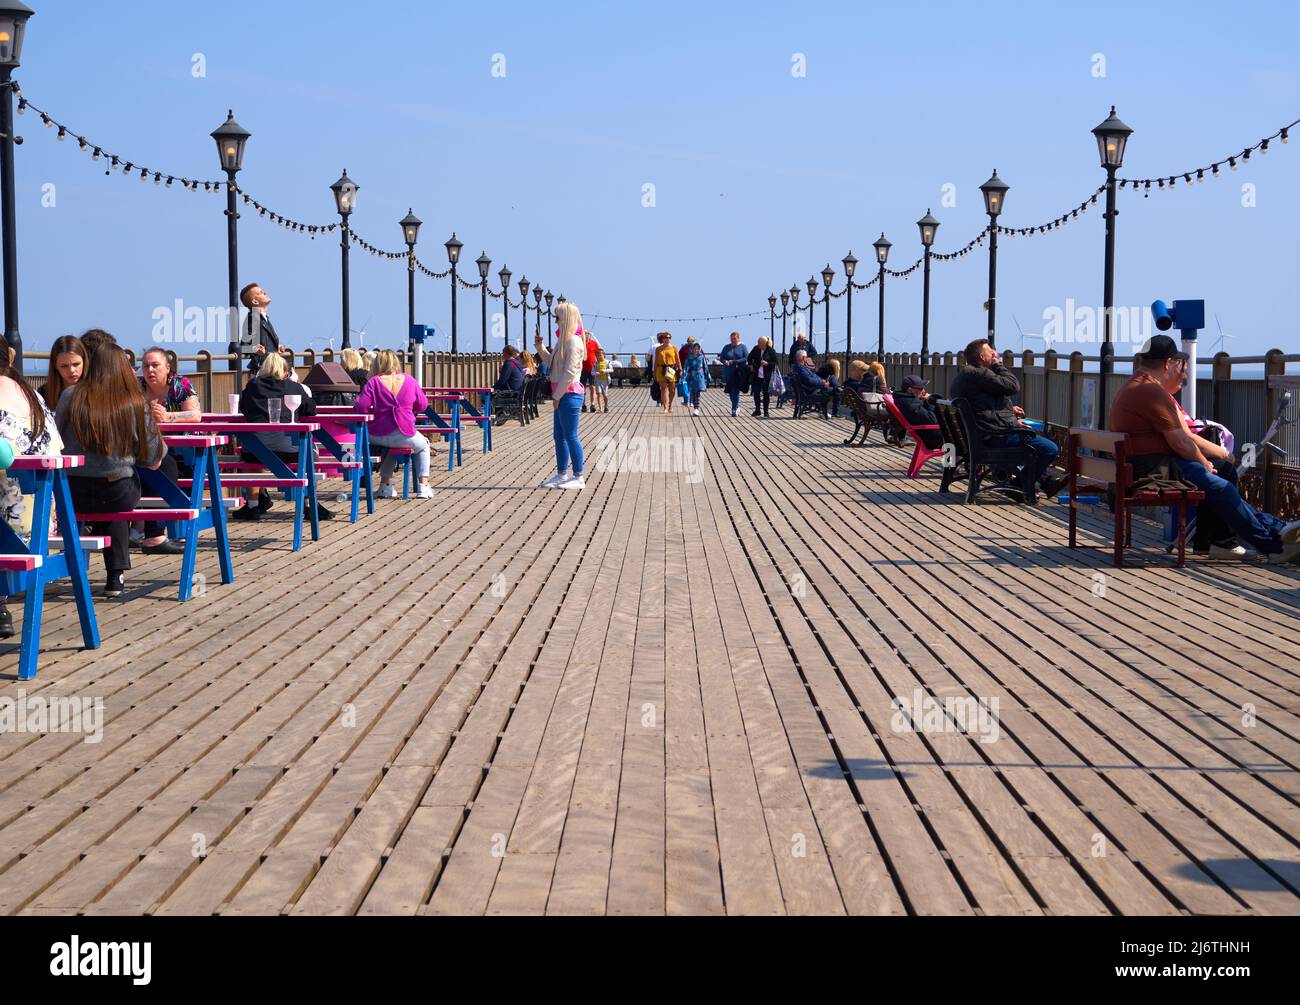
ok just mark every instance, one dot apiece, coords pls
pixel 1159 439
pixel 916 409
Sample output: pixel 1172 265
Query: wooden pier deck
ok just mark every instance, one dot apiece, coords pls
pixel 667 696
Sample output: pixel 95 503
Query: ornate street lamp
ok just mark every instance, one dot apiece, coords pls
pixel 504 276
pixel 850 266
pixel 785 302
pixel 771 306
pixel 410 225
pixel 453 247
pixel 231 139
pixel 523 303
pixel 928 226
pixel 995 192
pixel 345 200
pixel 1112 137
pixel 828 276
pixel 484 265
pixel 537 303
pixel 882 246
pixel 550 298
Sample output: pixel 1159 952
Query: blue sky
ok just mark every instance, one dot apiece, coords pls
pixel 760 176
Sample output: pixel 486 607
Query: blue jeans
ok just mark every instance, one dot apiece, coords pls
pixel 1043 447
pixel 565 427
pixel 1262 531
pixel 735 400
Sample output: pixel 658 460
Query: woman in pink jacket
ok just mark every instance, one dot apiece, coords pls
pixel 565 361
pixel 394 398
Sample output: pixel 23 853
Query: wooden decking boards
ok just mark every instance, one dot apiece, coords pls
pixel 668 695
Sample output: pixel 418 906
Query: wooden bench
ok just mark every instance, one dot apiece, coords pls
pixel 867 415
pixel 1006 469
pixel 1086 464
pixel 954 433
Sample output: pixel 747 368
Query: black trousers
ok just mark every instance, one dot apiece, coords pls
pixel 1210 527
pixel 99 495
pixel 762 392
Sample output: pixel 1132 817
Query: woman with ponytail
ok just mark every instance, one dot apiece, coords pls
pixel 565 364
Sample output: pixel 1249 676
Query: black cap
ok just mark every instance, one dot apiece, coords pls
pixel 912 380
pixel 1160 347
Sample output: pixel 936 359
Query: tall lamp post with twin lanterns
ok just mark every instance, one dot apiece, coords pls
pixel 995 193
pixel 928 226
pixel 13 25
pixel 410 225
pixel 453 247
pixel 231 139
pixel 1112 137
pixel 345 200
pixel 850 266
pixel 484 264
pixel 882 246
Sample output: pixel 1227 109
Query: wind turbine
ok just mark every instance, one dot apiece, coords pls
pixel 1218 346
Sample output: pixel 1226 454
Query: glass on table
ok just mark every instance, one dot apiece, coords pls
pixel 293 402
pixel 273 406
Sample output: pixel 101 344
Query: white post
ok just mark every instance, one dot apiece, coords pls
pixel 1188 395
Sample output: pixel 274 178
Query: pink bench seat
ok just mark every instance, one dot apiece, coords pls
pixel 20 563
pixel 253 483
pixel 143 515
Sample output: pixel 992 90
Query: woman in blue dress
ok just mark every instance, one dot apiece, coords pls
pixel 694 374
pixel 735 370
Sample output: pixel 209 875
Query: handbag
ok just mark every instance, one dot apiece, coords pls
pixel 777 386
pixel 670 374
pixel 654 391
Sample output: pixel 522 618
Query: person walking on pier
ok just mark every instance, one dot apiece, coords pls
pixel 667 366
pixel 567 395
pixel 762 364
pixel 735 370
pixel 694 374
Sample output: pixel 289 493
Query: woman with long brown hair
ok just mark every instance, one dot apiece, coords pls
pixel 106 420
pixel 68 358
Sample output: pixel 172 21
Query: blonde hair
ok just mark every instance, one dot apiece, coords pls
pixel 387 362
pixel 878 368
pixel 274 366
pixel 568 318
pixel 835 367
pixel 857 368
pixel 351 359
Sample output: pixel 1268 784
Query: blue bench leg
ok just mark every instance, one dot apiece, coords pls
pixel 32 608
pixel 219 518
pixel 355 480
pixel 77 562
pixel 406 476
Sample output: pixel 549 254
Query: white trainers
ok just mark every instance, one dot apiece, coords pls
pixel 555 481
pixel 425 492
pixel 576 482
pixel 1219 551
pixel 386 492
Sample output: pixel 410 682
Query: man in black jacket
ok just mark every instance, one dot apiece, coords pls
pixel 987 387
pixel 259 336
pixel 916 410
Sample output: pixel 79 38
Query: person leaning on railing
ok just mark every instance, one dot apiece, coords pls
pixel 394 397
pixel 105 419
pixel 987 388
pixel 1161 445
pixel 28 425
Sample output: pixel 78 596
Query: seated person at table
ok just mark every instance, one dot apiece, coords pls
pixel 1160 441
pixel 27 423
pixel 394 397
pixel 106 420
pixel 67 364
pixel 528 363
pixel 802 374
pixel 916 410
pixel 987 387
pixel 511 378
pixel 272 383
pixel 90 342
pixel 170 396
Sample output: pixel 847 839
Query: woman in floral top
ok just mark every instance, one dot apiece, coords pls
pixel 170 396
pixel 27 424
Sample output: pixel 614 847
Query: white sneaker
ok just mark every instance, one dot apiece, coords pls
pixel 576 482
pixel 1219 551
pixel 386 492
pixel 425 492
pixel 555 481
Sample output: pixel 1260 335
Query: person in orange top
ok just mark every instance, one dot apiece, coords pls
pixel 588 381
pixel 666 359
pixel 1158 436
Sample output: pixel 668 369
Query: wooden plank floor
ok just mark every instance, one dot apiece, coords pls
pixel 674 692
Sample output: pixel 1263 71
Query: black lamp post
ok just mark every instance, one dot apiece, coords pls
pixel 828 276
pixel 484 264
pixel 928 225
pixel 537 304
pixel 995 192
pixel 523 303
pixel 785 302
pixel 794 314
pixel 550 298
pixel 850 266
pixel 1112 137
pixel 771 306
pixel 812 299
pixel 453 247
pixel 882 246
pixel 504 276
pixel 13 25
pixel 231 139
pixel 410 225
pixel 345 200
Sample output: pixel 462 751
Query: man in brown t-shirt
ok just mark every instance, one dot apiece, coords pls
pixel 1157 434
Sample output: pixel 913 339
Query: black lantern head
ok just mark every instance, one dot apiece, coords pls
pixel 231 137
pixel 928 225
pixel 484 265
pixel 771 301
pixel 785 298
pixel 995 193
pixel 550 298
pixel 850 265
pixel 882 246
pixel 828 274
pixel 410 228
pixel 537 295
pixel 453 249
pixel 345 194
pixel 504 276
pixel 523 286
pixel 13 25
pixel 1112 137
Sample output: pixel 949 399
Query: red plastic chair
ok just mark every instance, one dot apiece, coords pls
pixel 922 453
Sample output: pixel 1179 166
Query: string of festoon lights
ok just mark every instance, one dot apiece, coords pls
pixel 1195 175
pixel 676 321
